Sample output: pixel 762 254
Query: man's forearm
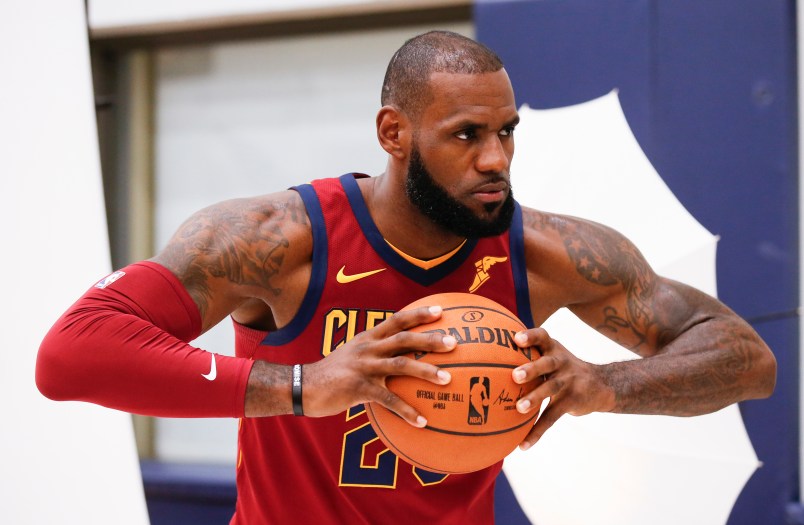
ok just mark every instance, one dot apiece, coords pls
pixel 125 347
pixel 710 366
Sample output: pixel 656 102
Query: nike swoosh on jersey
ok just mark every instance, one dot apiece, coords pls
pixel 213 370
pixel 343 278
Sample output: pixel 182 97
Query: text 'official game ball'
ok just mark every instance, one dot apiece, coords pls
pixel 472 422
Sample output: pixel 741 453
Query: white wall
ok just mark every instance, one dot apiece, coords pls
pixel 257 117
pixel 106 15
pixel 64 463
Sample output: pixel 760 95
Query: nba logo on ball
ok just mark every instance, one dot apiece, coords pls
pixel 479 388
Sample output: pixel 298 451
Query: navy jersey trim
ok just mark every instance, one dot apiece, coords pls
pixel 396 261
pixel 317 277
pixel 519 268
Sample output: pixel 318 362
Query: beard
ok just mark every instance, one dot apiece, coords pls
pixel 445 211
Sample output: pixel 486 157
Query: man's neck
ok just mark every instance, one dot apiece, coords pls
pixel 401 224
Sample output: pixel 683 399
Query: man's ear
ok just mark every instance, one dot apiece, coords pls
pixel 393 131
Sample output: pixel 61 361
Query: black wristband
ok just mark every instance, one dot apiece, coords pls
pixel 296 391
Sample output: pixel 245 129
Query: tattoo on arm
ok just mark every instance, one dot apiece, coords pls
pixel 243 241
pixel 688 383
pixel 606 258
pixel 702 355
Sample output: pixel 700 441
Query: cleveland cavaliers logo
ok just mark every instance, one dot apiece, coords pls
pixel 479 388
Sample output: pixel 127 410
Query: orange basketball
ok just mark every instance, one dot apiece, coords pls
pixel 472 422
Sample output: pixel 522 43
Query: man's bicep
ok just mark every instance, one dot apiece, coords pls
pixel 194 267
pixel 201 255
pixel 603 278
pixel 238 250
pixel 619 294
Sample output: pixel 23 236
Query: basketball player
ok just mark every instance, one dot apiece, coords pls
pixel 311 276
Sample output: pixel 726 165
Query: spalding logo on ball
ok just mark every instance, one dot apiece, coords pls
pixel 472 422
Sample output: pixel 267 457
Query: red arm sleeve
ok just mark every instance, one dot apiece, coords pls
pixel 124 345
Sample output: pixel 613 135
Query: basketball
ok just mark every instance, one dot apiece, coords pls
pixel 472 422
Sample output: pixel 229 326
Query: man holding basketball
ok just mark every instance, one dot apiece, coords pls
pixel 311 277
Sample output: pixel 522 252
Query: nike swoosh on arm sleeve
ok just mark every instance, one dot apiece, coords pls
pixel 126 347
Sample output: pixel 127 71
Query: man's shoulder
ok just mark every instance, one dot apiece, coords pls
pixel 539 221
pixel 556 239
pixel 284 208
pixel 588 247
pixel 246 228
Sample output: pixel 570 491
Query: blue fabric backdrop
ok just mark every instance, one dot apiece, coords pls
pixel 709 88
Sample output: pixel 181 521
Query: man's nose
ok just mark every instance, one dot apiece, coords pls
pixel 493 157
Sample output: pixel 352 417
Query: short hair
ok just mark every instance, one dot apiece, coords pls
pixel 406 79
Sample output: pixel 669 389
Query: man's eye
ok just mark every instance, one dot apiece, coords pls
pixel 466 134
pixel 507 132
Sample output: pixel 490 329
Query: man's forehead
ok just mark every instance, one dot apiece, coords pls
pixel 448 80
pixel 455 94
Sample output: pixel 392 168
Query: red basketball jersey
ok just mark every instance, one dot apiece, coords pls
pixel 334 470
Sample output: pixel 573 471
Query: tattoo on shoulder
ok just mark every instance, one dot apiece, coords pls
pixel 244 241
pixel 537 220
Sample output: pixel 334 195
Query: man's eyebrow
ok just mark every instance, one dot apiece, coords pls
pixel 472 124
pixel 468 124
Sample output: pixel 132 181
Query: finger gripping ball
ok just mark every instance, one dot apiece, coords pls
pixel 472 422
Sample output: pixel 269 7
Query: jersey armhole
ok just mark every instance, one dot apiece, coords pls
pixel 519 268
pixel 317 276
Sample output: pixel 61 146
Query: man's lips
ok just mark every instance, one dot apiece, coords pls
pixel 491 192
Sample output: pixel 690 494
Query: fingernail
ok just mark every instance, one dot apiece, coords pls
pixel 444 377
pixel 523 405
pixel 421 422
pixel 521 338
pixel 435 310
pixel 449 341
pixel 519 375
pixel 524 446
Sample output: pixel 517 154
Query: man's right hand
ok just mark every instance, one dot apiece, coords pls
pixel 356 372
